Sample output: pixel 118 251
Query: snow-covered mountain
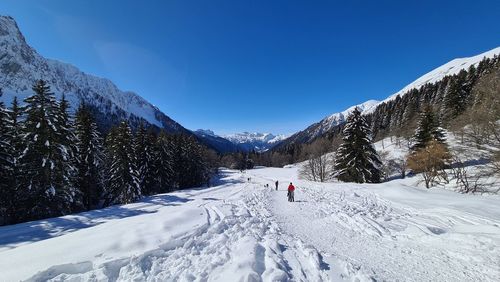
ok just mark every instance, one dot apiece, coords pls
pixel 259 142
pixel 21 66
pixel 245 141
pixel 329 123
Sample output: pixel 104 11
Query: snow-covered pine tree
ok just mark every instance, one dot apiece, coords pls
pixel 46 186
pixel 163 164
pixel 15 141
pixel 356 158
pixel 428 129
pixel 123 183
pixel 67 170
pixel 90 158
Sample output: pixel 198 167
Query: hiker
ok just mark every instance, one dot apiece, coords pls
pixel 276 185
pixel 291 190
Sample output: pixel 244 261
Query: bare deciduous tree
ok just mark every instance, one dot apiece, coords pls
pixel 319 166
pixel 466 182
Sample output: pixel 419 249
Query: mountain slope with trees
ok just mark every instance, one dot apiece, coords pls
pixel 451 91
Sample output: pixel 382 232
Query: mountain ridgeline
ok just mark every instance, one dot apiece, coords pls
pixel 450 90
pixel 21 66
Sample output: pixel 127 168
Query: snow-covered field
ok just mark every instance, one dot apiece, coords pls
pixel 242 231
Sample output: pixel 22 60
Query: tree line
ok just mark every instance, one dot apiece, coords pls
pixel 52 163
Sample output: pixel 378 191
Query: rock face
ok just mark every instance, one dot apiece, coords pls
pixel 21 66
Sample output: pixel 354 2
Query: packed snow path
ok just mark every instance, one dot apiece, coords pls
pixel 242 231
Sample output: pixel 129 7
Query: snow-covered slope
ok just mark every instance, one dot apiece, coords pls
pixel 21 66
pixel 242 231
pixel 328 123
pixel 255 141
pixel 451 68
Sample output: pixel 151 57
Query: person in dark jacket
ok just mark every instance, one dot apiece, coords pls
pixel 276 185
pixel 291 192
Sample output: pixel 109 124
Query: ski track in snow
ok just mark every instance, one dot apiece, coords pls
pixel 241 231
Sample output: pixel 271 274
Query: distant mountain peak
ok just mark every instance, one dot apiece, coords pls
pixel 206 132
pixel 255 140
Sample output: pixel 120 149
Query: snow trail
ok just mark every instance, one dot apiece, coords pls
pixel 392 241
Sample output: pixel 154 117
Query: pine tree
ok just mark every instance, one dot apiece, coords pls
pixel 428 129
pixel 89 159
pixel 123 183
pixel 44 165
pixel 456 97
pixel 163 164
pixel 189 167
pixel 356 158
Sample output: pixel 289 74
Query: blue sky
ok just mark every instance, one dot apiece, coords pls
pixel 272 66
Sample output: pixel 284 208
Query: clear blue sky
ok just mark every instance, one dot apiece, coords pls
pixel 273 66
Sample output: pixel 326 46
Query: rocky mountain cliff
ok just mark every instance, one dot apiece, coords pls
pixel 21 66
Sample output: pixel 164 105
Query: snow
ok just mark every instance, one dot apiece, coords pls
pixel 242 231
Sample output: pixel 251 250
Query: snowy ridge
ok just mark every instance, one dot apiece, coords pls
pixel 451 68
pixel 21 65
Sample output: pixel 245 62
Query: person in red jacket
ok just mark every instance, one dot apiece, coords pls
pixel 291 190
